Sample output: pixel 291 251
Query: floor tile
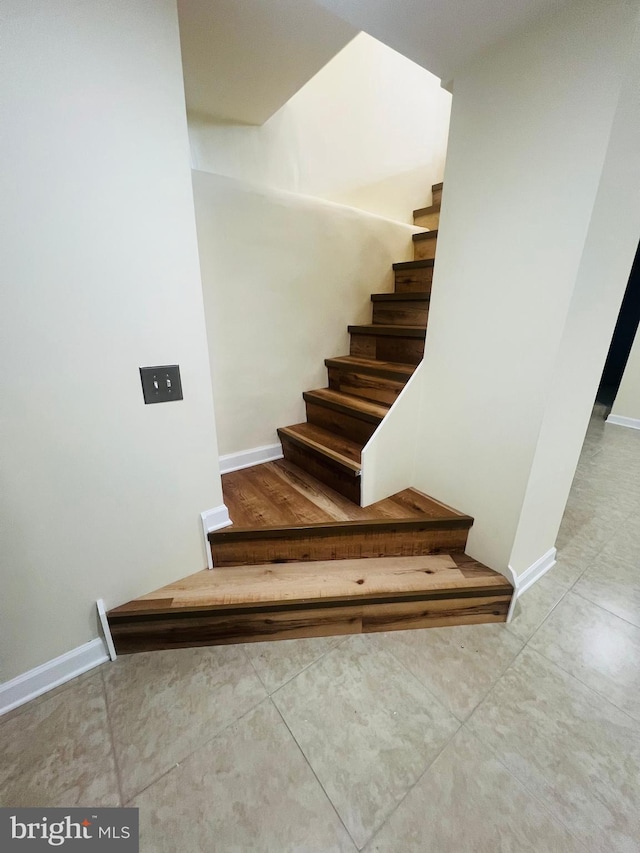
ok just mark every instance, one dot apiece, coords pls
pixel 58 752
pixel 368 728
pixel 626 543
pixel 163 705
pixel 248 789
pixel 597 647
pixel 534 605
pixel 569 568
pixel 468 803
pixel 588 530
pixel 614 585
pixel 572 749
pixel 458 665
pixel 277 663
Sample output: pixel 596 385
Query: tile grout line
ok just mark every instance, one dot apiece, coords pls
pixel 420 777
pixel 590 563
pixel 605 609
pixel 499 759
pixel 304 668
pixel 429 764
pixel 451 711
pixel 433 760
pixel 555 818
pixel 200 746
pixel 424 686
pixel 112 736
pixel 196 748
pixel 315 775
pixel 609 701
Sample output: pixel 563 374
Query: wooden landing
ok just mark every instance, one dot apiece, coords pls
pixel 267 602
pixel 279 493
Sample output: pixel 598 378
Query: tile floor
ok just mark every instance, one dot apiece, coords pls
pixel 488 738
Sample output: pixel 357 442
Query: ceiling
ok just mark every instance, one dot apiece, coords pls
pixel 244 59
pixel 442 35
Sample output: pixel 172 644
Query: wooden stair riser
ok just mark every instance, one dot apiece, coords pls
pixel 386 348
pixel 436 194
pixel 140 634
pixel 427 220
pixel 340 423
pixel 410 280
pixel 366 386
pixel 401 313
pixel 425 249
pixel 379 541
pixel 322 469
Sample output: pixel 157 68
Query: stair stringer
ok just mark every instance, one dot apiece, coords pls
pixel 388 458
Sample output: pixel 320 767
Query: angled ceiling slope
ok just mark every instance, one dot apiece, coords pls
pixel 442 35
pixel 244 59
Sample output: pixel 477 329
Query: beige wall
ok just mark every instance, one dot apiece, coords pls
pixel 369 130
pixel 283 276
pixel 602 277
pixel 509 352
pixel 100 494
pixel 389 457
pixel 627 402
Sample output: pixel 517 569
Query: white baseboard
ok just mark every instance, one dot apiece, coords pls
pixel 246 458
pixel 541 566
pixel 52 674
pixel 619 420
pixel 513 578
pixel 213 519
pixel 106 629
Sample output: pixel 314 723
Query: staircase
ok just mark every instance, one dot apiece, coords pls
pixel 303 558
pixel 363 385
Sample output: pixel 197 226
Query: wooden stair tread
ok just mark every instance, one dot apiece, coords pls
pixel 384 369
pixel 304 500
pixel 336 528
pixel 393 331
pixel 413 500
pixel 425 211
pixel 380 579
pixel 423 263
pixel 341 450
pixel 425 235
pixel 348 404
pixel 407 296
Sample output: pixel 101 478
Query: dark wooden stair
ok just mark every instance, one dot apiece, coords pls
pixel 388 343
pixel 429 217
pixel 369 378
pixel 382 357
pixel 424 245
pixel 402 309
pixel 348 416
pixel 411 276
pixel 327 456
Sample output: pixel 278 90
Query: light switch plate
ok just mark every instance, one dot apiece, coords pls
pixel 161 384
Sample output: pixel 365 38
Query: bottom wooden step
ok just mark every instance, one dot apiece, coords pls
pixel 267 602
